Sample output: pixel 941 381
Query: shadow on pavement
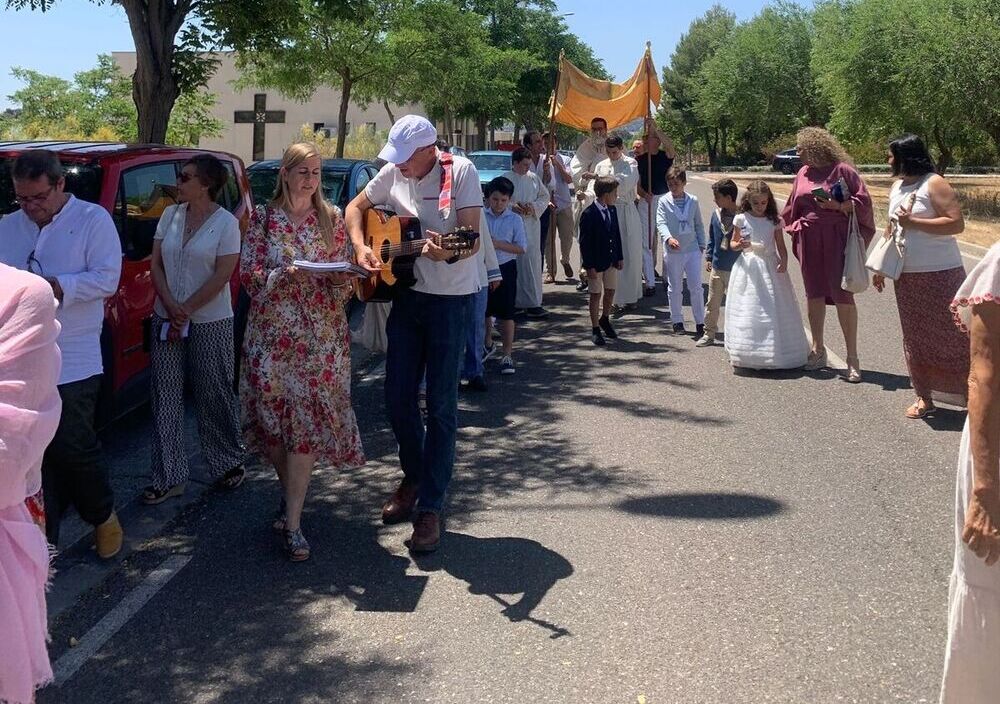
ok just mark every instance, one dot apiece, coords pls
pixel 714 506
pixel 503 566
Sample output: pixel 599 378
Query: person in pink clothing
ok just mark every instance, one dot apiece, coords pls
pixel 826 192
pixel 29 415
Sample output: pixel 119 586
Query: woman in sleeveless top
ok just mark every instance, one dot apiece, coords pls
pixel 925 205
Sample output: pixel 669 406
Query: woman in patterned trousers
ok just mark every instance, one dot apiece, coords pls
pixel 195 252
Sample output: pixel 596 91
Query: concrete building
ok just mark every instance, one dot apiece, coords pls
pixel 260 123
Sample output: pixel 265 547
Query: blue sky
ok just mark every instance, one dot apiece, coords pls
pixel 68 38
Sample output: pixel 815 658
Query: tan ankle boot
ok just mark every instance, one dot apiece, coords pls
pixel 108 537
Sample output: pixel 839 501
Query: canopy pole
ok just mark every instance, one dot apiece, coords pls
pixel 649 161
pixel 550 245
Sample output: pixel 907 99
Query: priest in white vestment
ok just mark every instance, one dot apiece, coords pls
pixel 624 169
pixel 581 169
pixel 530 200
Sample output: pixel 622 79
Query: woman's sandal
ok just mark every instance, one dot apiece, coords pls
pixel 231 479
pixel 152 496
pixel 916 412
pixel 816 361
pixel 280 518
pixel 296 546
pixel 853 375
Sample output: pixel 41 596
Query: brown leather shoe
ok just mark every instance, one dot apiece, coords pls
pixel 400 506
pixel 108 537
pixel 426 533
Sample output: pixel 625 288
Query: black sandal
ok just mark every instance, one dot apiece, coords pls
pixel 296 546
pixel 231 479
pixel 151 496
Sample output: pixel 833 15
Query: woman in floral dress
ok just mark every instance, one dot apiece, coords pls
pixel 295 381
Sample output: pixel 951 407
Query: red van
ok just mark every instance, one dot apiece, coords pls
pixel 134 182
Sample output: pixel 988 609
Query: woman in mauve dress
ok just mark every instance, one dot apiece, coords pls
pixel 29 415
pixel 819 230
pixel 927 208
pixel 971 675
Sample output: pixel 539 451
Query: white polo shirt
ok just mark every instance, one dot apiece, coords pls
pixel 189 266
pixel 81 249
pixel 419 198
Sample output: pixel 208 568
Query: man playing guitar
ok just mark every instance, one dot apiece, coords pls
pixel 426 328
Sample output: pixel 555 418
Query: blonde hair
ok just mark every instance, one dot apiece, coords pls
pixel 325 212
pixel 817 147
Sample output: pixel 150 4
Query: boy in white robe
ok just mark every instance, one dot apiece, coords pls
pixel 530 200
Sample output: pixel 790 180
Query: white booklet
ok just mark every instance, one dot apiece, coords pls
pixel 332 267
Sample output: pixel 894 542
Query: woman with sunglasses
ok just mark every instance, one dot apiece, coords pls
pixel 195 251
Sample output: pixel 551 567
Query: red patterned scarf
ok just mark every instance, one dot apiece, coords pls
pixel 444 199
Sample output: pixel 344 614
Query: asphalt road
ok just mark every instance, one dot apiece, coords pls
pixel 628 524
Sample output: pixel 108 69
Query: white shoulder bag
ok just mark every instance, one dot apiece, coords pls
pixel 889 253
pixel 855 277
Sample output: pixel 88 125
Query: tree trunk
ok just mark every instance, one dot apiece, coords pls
pixel 711 146
pixel 388 109
pixel 723 138
pixel 945 155
pixel 345 102
pixel 481 131
pixel 154 25
pixel 517 132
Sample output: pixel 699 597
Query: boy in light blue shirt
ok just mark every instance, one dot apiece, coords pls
pixel 509 240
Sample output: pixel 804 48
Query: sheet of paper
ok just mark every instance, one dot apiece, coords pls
pixel 335 267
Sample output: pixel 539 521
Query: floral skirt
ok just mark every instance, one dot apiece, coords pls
pixel 936 350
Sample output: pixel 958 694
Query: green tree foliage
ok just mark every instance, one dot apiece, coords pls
pixel 704 38
pixel 759 84
pixel 97 104
pixel 172 38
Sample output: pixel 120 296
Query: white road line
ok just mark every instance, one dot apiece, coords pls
pixel 96 637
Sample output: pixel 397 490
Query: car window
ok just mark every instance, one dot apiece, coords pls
pixel 490 162
pixel 143 194
pixel 262 183
pixel 229 196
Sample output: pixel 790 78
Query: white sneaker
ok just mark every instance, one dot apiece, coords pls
pixel 507 365
pixel 705 341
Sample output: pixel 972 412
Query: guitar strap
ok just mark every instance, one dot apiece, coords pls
pixel 444 199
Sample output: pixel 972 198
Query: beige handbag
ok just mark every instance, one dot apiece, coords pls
pixel 887 256
pixel 855 277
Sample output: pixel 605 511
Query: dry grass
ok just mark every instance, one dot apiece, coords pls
pixel 980 197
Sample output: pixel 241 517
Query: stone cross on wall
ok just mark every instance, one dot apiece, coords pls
pixel 259 116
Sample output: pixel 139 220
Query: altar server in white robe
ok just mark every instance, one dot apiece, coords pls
pixel 530 200
pixel 623 169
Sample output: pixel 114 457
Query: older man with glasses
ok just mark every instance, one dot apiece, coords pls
pixel 74 246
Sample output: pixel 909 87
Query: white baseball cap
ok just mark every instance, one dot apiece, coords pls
pixel 410 133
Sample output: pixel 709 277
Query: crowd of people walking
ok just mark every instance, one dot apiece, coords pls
pixel 60 257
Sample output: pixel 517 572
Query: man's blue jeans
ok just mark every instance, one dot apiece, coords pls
pixel 475 336
pixel 426 334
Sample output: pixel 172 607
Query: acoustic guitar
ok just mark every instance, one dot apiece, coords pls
pixel 397 242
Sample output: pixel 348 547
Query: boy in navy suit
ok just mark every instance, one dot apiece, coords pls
pixel 601 254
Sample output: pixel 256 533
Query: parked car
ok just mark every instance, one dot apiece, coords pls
pixel 342 179
pixel 490 164
pixel 787 161
pixel 133 182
